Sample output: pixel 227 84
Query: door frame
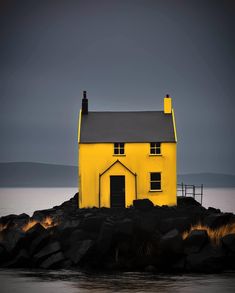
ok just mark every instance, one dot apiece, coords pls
pixel 101 174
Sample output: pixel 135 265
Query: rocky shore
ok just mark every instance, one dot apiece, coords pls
pixel 186 238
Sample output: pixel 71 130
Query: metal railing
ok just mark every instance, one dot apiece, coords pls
pixel 194 191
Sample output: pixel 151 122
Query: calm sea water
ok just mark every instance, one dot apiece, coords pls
pixel 27 200
pixel 78 282
pixel 19 200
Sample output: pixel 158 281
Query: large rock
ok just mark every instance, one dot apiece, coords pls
pixel 148 223
pixel 47 250
pixel 195 241
pixel 124 226
pixel 209 260
pixel 215 221
pixel 229 242
pixel 183 201
pixel 12 240
pixel 171 243
pixel 92 223
pixel 79 250
pixel 3 254
pixel 180 223
pixel 21 260
pixel 105 237
pixel 53 261
pixel 143 204
pixel 39 242
pixel 16 221
pixel 42 214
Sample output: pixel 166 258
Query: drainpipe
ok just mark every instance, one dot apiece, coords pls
pixel 135 186
pixel 99 189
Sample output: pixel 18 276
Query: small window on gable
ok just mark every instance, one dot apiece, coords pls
pixel 155 181
pixel 119 148
pixel 155 148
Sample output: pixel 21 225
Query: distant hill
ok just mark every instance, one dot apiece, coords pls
pixel 37 175
pixel 208 179
pixel 49 175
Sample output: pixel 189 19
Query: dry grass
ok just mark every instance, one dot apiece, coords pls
pixel 3 227
pixel 46 223
pixel 214 234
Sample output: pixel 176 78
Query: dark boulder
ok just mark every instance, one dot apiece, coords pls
pixel 12 240
pixel 105 236
pixel 183 201
pixel 229 242
pixel 46 251
pixel 124 226
pixel 42 214
pixel 180 223
pixel 171 243
pixel 14 221
pixel 148 223
pixel 21 260
pixel 79 250
pixel 92 223
pixel 214 210
pixel 143 204
pixel 53 261
pixel 4 256
pixel 210 259
pixel 195 241
pixel 39 241
pixel 215 221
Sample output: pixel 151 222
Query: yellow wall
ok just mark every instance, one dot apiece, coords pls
pixel 94 159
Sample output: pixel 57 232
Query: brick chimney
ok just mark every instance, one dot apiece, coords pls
pixel 167 105
pixel 84 104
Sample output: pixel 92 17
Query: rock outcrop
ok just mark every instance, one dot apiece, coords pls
pixel 186 238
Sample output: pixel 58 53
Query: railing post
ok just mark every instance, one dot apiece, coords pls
pixel 182 186
pixel 194 191
pixel 201 192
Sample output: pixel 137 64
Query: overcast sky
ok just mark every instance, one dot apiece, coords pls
pixel 127 54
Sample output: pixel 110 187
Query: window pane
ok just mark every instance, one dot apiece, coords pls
pixel 155 185
pixel 155 176
pixel 158 144
pixel 116 151
pixel 152 144
pixel 121 151
pixel 152 151
pixel 121 145
pixel 158 151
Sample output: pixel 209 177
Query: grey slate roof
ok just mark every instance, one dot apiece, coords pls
pixel 148 126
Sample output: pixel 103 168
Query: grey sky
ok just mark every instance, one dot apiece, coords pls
pixel 127 55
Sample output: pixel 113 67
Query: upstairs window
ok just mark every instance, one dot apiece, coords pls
pixel 155 181
pixel 119 148
pixel 155 148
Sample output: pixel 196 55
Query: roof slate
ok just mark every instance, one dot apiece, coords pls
pixel 145 126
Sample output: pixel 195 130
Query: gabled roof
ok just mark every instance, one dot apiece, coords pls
pixel 145 126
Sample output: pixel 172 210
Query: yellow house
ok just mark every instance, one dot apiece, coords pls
pixel 125 156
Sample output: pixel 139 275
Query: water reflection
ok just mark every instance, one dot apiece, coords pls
pixel 74 281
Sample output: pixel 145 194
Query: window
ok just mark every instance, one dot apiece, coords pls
pixel 155 181
pixel 118 148
pixel 155 148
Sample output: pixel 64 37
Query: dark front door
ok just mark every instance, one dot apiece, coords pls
pixel 117 191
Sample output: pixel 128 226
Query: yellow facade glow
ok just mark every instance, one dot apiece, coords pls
pixel 136 165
